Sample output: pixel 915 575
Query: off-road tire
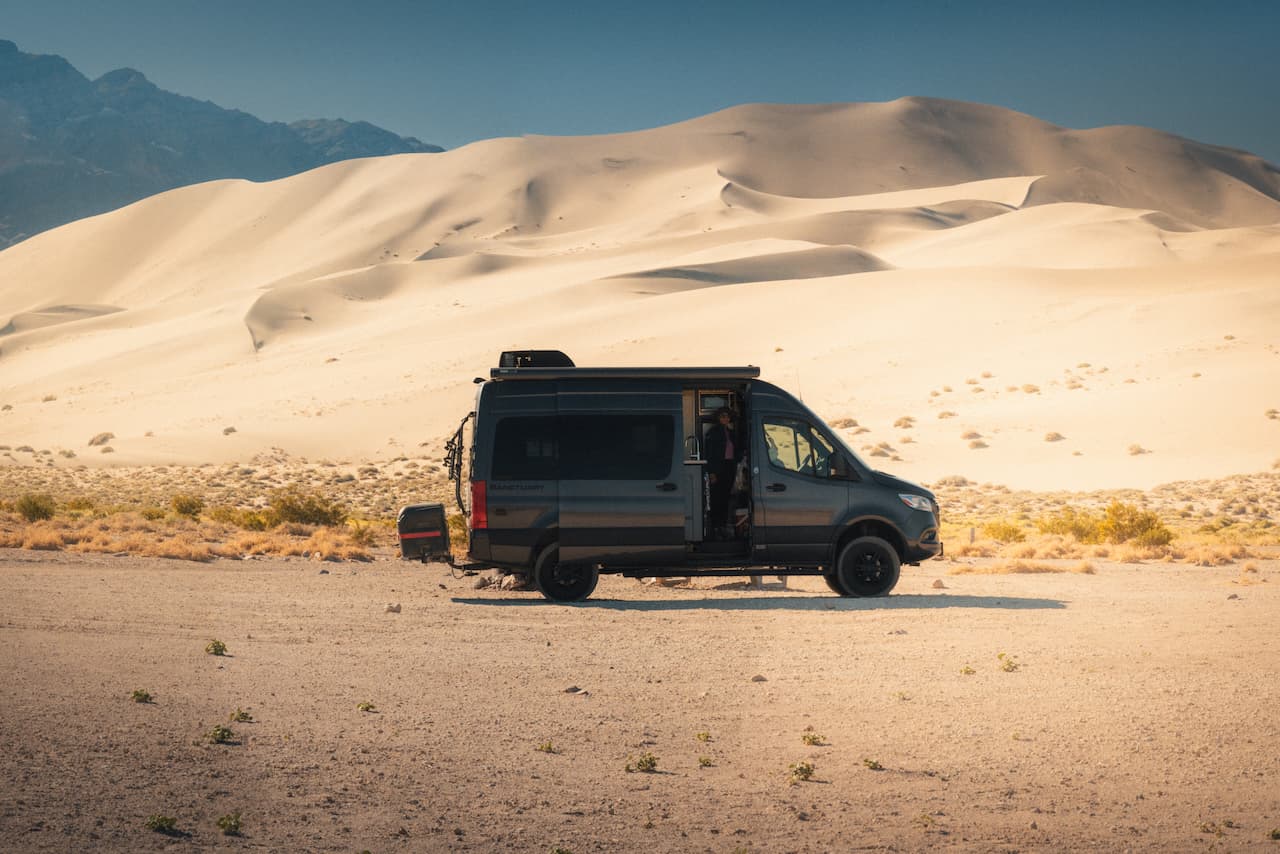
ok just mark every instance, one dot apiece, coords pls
pixel 561 583
pixel 867 566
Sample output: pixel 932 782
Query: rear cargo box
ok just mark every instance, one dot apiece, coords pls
pixel 424 533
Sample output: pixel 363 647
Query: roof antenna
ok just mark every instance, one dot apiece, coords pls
pixel 799 390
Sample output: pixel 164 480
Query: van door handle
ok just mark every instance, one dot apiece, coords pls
pixel 777 487
pixel 667 487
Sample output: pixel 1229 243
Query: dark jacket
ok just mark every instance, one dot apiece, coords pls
pixel 716 442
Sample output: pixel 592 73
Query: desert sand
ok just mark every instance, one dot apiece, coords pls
pixel 1134 709
pixel 974 269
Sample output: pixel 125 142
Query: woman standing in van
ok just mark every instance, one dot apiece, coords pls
pixel 724 450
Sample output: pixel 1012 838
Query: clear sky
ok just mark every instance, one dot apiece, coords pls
pixel 454 72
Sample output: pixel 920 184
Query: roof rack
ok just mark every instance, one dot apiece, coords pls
pixel 744 372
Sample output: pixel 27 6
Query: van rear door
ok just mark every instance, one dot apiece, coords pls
pixel 622 496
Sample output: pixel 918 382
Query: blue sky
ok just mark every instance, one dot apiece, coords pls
pixel 454 72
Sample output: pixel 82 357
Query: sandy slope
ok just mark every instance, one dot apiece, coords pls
pixel 1142 716
pixel 866 255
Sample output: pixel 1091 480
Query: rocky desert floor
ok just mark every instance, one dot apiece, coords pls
pixel 1134 708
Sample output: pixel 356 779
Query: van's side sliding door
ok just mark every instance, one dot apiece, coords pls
pixel 622 496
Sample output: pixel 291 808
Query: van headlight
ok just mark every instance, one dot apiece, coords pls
pixel 916 502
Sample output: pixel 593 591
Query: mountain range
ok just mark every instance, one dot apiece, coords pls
pixel 71 147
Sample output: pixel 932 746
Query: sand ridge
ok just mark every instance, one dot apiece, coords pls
pixel 866 256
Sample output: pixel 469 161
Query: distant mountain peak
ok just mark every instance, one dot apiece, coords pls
pixel 74 148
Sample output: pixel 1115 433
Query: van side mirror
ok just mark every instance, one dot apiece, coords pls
pixel 840 468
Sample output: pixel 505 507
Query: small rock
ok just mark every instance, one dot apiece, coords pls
pixel 481 582
pixel 393 608
pixel 938 585
pixel 1234 596
pixel 442 587
pixel 323 572
pixel 1034 826
pixel 514 581
pixel 758 678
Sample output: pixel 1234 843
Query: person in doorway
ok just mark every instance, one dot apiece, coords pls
pixel 724 450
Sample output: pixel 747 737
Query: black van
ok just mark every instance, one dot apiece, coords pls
pixel 577 471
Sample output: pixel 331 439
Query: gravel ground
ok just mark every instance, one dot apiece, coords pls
pixel 1137 708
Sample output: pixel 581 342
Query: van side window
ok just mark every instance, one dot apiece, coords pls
pixel 524 448
pixel 795 446
pixel 616 447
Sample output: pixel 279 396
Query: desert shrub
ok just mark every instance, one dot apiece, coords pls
pixel 34 506
pixel 187 505
pixel 1003 532
pixel 363 534
pixel 1124 523
pixel 229 824
pixel 294 505
pixel 162 824
pixel 79 504
pixel 1081 525
pixel 151 514
pixel 249 520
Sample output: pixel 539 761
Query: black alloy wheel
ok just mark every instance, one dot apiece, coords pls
pixel 563 582
pixel 868 566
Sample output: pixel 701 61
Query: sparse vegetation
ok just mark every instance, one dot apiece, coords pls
pixel 162 824
pixel 812 738
pixel 309 508
pixel 967 671
pixel 101 439
pixel 215 647
pixel 187 505
pixel 220 734
pixel 240 716
pixel 1008 663
pixel 366 706
pixel 229 824
pixel 548 747
pixel 703 736
pixel 646 763
pixel 873 764
pixel 140 696
pixel 35 506
pixel 800 772
pixel 1004 532
pixel 704 761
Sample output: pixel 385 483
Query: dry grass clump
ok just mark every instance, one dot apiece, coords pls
pixel 1054 436
pixel 101 439
pixel 1022 567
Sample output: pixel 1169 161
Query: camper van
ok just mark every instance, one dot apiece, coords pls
pixel 672 471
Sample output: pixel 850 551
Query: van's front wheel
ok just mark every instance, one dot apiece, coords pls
pixel 563 583
pixel 868 566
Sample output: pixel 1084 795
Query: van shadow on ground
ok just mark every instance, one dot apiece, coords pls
pixel 900 602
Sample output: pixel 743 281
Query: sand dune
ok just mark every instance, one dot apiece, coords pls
pixel 874 257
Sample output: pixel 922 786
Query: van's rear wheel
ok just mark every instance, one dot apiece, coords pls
pixel 868 566
pixel 560 582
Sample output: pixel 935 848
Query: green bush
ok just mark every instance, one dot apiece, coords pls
pixel 309 508
pixel 1003 532
pixel 152 514
pixel 35 506
pixel 187 505
pixel 1080 525
pixel 1119 523
pixel 1124 522
pixel 250 520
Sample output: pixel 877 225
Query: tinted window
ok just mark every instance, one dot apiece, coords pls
pixel 616 447
pixel 524 448
pixel 796 446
